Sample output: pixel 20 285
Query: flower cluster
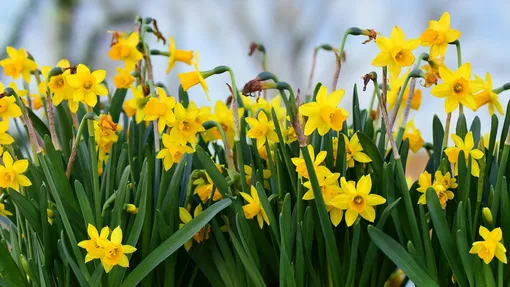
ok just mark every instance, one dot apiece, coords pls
pixel 111 252
pixel 442 184
pixel 106 134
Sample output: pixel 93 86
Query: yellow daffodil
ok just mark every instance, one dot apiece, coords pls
pixel 8 106
pixel 93 245
pixel 176 55
pixel 204 113
pixel 131 208
pixel 172 151
pixel 11 172
pixel 18 64
pixel 438 35
pixel 205 189
pixel 457 87
pixel 58 84
pixel 442 191
pixel 126 51
pixel 123 79
pixel 185 217
pixel 3 211
pixel 87 86
pixel 445 180
pixel 136 105
pixel 330 191
pixel 254 207
pixel 324 114
pixel 193 78
pixel 186 126
pixel 160 109
pixel 490 246
pixel 414 135
pixel 467 145
pixel 300 162
pixel 225 117
pixel 114 251
pixel 261 129
pixel 396 52
pixel 35 101
pixel 105 134
pixel 5 138
pixel 358 200
pixel 488 97
pixel 354 151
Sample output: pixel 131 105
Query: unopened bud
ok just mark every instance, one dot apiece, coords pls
pixel 131 208
pixel 51 216
pixel 487 215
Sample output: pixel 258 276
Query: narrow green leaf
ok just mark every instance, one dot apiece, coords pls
pixel 371 150
pixel 9 271
pixel 401 258
pixel 438 217
pixel 269 212
pixel 116 105
pixel 169 246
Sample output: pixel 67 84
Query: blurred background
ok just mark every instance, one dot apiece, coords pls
pixel 289 29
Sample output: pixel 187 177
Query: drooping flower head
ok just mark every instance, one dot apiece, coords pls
pixel 175 55
pixel 488 97
pixel 193 78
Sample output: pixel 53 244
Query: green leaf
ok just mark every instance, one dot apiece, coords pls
pixel 27 209
pixel 401 258
pixel 9 271
pixel 461 129
pixel 327 230
pixel 356 114
pixel 86 209
pixel 438 218
pixel 465 257
pixel 269 211
pixel 183 97
pixel 169 246
pixel 212 171
pixel 371 150
pixel 354 255
pixel 116 106
pixel 65 254
pixel 437 137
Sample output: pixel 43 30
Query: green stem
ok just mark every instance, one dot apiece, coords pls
pixel 228 151
pixel 95 175
pixel 499 178
pixel 502 88
pixel 459 63
pixel 417 73
pixel 88 116
pixel 446 130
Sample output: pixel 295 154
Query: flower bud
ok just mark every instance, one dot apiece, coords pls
pixel 51 216
pixel 487 215
pixel 131 208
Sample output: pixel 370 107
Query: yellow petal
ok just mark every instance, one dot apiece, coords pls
pixel 184 215
pixel 350 217
pixel 375 199
pixel 116 236
pixel 382 59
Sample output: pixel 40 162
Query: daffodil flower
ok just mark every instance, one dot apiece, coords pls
pixel 5 138
pixel 176 55
pixel 136 105
pixel 354 151
pixel 395 84
pixel 114 251
pixel 123 79
pixel 254 207
pixel 87 86
pixel 126 50
pixel 261 129
pixel 248 171
pixel 442 191
pixel 186 126
pixel 324 114
pixel 490 246
pixel 11 172
pixel 457 87
pixel 438 35
pixel 18 64
pixel 58 84
pixel 488 97
pixel 274 103
pixel 357 200
pixel 317 161
pixel 396 51
pixel 414 136
pixel 185 217
pixel 193 78
pixel 467 145
pixel 205 189
pixel 225 117
pixel 172 151
pixel 93 245
pixel 160 109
